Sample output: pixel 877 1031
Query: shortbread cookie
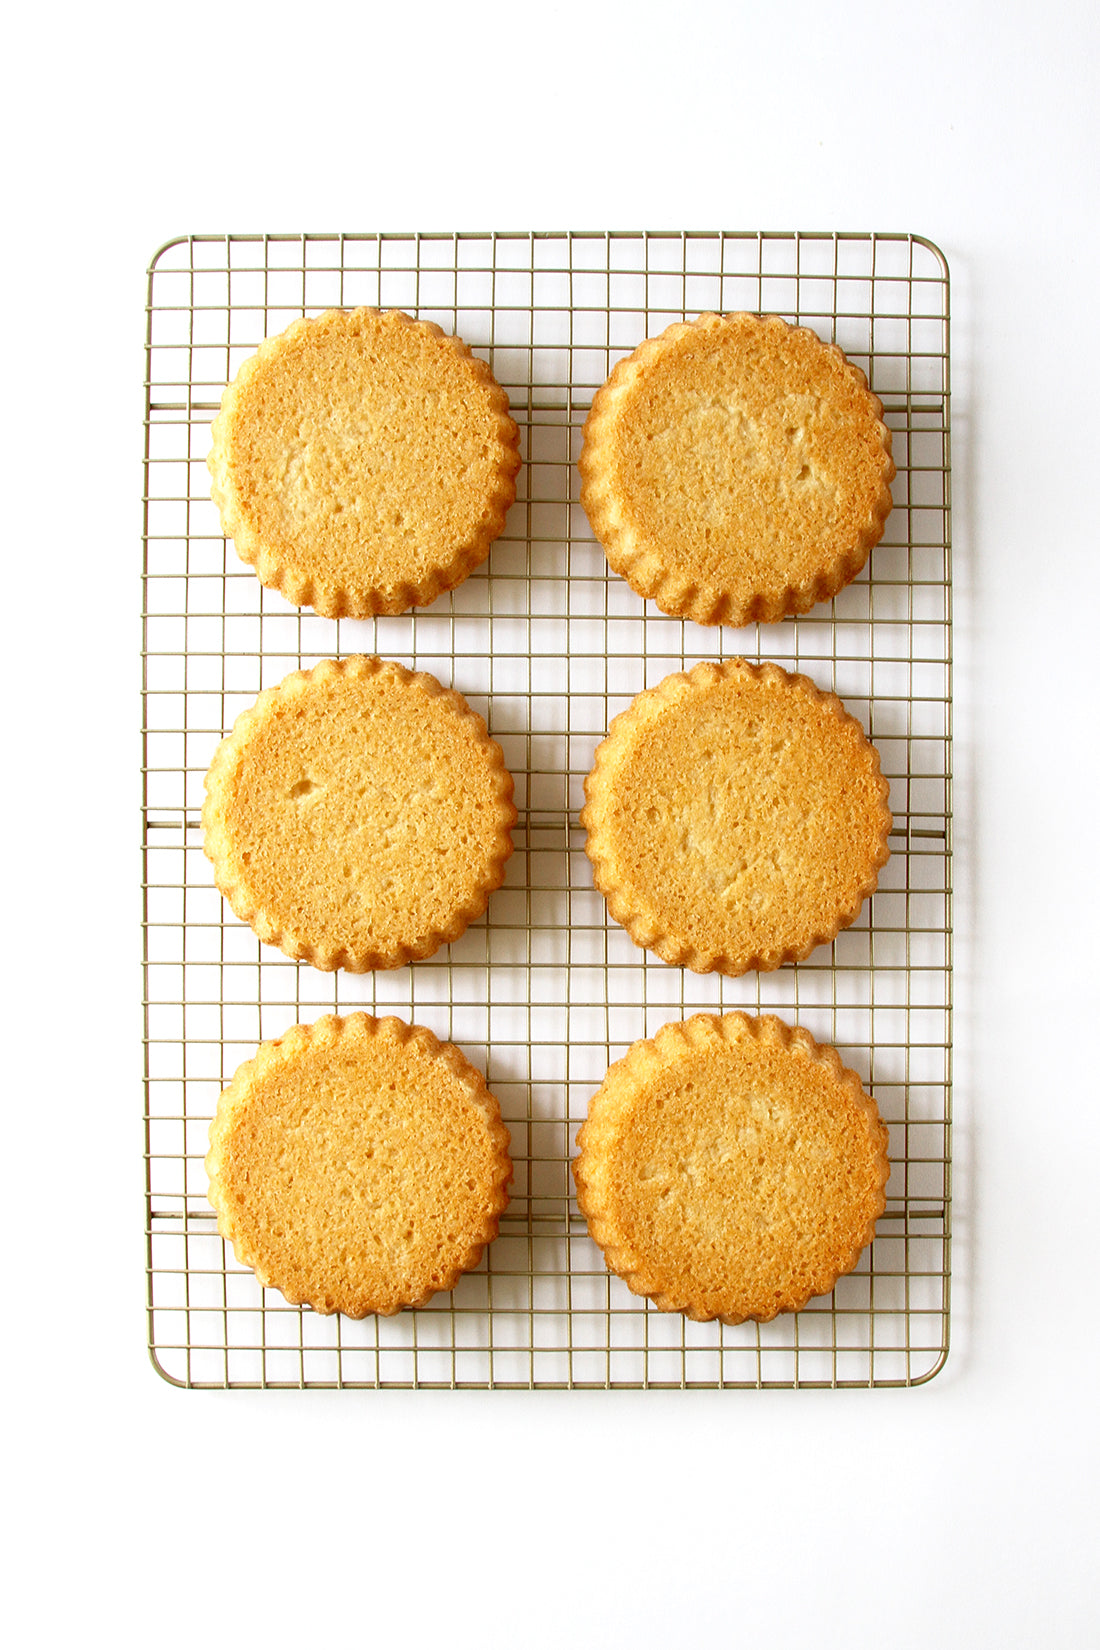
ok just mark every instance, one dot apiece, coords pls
pixel 736 468
pixel 358 1165
pixel 736 816
pixel 731 1168
pixel 358 815
pixel 363 462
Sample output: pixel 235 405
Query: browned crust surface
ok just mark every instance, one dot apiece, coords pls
pixel 736 817
pixel 358 1165
pixel 731 1168
pixel 363 462
pixel 359 815
pixel 736 469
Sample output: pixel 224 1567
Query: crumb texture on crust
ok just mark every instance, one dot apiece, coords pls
pixel 363 462
pixel 731 1168
pixel 736 817
pixel 736 469
pixel 358 1165
pixel 358 815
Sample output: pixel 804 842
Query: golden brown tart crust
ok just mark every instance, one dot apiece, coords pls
pixel 731 1168
pixel 358 1165
pixel 736 817
pixel 363 462
pixel 736 469
pixel 359 815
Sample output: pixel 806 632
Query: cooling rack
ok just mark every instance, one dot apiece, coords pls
pixel 545 991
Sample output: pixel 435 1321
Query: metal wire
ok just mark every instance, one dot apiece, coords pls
pixel 545 991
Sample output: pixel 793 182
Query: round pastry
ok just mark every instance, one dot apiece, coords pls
pixel 358 1165
pixel 358 815
pixel 736 469
pixel 731 1168
pixel 736 816
pixel 363 462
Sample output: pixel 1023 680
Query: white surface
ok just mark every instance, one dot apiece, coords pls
pixel 963 1513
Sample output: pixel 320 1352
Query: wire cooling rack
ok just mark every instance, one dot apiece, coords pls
pixel 545 991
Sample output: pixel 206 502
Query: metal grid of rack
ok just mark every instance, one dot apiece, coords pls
pixel 545 991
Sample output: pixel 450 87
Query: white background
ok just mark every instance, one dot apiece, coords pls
pixel 963 1513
